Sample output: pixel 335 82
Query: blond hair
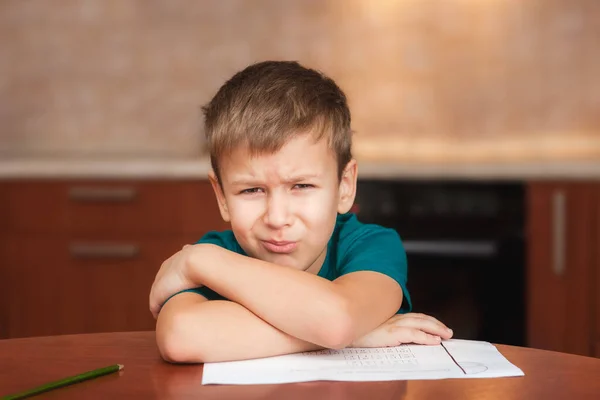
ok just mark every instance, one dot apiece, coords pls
pixel 265 105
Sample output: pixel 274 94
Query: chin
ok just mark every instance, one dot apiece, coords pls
pixel 284 261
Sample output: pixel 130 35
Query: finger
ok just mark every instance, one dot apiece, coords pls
pixel 155 309
pixel 161 270
pixel 154 299
pixel 157 299
pixel 415 315
pixel 411 335
pixel 447 332
pixel 420 337
pixel 428 317
pixel 152 304
pixel 425 316
pixel 164 267
pixel 426 325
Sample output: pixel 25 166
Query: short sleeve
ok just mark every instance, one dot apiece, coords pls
pixel 378 249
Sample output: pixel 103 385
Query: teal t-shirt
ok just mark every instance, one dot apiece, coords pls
pixel 354 246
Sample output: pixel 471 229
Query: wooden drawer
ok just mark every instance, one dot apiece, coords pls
pixel 103 207
pixel 32 207
pixel 102 286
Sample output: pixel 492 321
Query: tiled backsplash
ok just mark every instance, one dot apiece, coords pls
pixel 128 77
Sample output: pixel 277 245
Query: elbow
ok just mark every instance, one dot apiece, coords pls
pixel 338 332
pixel 175 341
pixel 170 349
pixel 337 340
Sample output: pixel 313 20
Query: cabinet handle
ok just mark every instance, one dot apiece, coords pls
pixel 559 217
pixel 112 194
pixel 94 250
pixel 450 248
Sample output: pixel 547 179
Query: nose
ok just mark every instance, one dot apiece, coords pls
pixel 277 214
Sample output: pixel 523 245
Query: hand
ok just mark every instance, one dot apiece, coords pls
pixel 405 328
pixel 173 276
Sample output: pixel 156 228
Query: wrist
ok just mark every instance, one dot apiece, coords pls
pixel 197 262
pixel 193 264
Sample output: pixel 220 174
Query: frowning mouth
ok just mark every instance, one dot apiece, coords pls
pixel 279 247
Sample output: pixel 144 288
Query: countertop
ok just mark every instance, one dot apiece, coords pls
pixel 197 168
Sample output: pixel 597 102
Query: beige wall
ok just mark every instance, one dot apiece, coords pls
pixel 427 80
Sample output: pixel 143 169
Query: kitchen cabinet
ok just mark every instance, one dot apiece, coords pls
pixel 81 256
pixel 562 277
pixel 596 275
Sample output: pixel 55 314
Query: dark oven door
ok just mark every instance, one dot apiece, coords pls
pixel 473 286
pixel 465 249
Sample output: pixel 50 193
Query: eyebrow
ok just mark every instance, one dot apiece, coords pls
pixel 303 177
pixel 254 182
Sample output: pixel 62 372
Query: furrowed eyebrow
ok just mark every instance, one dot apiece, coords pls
pixel 300 178
pixel 256 182
pixel 246 182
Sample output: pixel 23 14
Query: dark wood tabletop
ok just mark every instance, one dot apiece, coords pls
pixel 25 363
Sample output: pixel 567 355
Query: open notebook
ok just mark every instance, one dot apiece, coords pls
pixel 452 359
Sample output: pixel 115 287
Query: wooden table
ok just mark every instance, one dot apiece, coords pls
pixel 25 363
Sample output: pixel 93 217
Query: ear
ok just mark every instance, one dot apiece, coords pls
pixel 219 195
pixel 347 189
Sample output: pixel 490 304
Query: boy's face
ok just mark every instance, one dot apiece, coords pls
pixel 283 206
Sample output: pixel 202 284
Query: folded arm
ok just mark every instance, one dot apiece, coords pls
pixel 294 310
pixel 191 329
pixel 303 305
pixel 306 306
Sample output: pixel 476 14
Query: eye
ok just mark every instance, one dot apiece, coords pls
pixel 251 191
pixel 303 186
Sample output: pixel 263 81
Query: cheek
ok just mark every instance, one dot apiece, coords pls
pixel 244 213
pixel 319 209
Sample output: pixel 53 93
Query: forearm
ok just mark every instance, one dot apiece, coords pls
pixel 213 331
pixel 300 304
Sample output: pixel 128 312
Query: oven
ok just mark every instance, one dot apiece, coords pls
pixel 465 248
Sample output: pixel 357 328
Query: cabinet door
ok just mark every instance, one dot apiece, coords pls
pixel 115 278
pixel 3 288
pixel 596 271
pixel 80 256
pixel 3 259
pixel 36 281
pixel 60 285
pixel 560 251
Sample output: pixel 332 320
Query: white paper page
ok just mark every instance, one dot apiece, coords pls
pixel 480 359
pixel 378 364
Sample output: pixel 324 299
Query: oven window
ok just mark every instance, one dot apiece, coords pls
pixel 479 295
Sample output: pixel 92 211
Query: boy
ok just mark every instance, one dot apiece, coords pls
pixel 297 271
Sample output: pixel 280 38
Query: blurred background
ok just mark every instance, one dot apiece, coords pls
pixel 477 134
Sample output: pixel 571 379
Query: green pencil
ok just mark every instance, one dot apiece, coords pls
pixel 66 381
